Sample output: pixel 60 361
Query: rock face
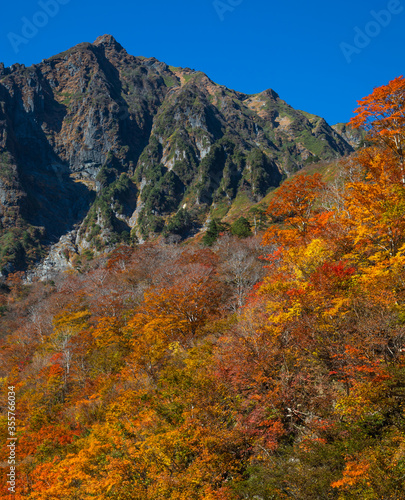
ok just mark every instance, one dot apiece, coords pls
pixel 353 136
pixel 113 147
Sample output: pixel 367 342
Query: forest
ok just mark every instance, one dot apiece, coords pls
pixel 264 364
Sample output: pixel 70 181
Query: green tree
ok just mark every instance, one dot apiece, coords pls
pixel 215 227
pixel 241 228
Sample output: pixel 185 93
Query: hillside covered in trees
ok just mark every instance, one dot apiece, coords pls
pixel 262 364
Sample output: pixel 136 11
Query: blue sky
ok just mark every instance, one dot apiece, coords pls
pixel 293 47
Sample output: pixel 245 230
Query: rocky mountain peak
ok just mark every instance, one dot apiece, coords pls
pixel 109 42
pixel 101 147
pixel 271 94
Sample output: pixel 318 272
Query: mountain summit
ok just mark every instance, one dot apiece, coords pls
pixel 98 146
pixel 109 42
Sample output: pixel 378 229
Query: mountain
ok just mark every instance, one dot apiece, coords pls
pixel 98 146
pixel 353 136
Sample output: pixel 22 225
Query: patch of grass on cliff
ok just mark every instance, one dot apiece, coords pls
pixel 314 144
pixel 187 78
pixel 312 118
pixel 220 210
pixel 170 81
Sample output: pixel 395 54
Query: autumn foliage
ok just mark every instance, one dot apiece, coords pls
pixel 232 372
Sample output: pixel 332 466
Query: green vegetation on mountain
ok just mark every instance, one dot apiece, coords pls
pixel 95 113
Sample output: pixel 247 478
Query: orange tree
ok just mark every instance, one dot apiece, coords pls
pixel 294 206
pixel 382 114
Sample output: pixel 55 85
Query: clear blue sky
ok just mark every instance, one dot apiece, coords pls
pixel 293 47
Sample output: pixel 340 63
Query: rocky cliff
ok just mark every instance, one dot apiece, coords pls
pixel 106 147
pixel 353 136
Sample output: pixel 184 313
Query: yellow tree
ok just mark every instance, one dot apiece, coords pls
pixel 375 206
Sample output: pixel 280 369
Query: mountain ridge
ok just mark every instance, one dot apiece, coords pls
pixel 113 147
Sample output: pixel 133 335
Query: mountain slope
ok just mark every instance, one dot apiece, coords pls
pixel 104 146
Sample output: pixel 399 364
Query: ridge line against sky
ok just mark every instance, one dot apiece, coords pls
pixel 319 57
